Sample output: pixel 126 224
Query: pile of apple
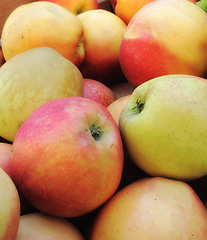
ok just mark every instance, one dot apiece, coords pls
pixel 103 116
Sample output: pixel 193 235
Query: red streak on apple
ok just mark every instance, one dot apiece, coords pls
pixel 150 59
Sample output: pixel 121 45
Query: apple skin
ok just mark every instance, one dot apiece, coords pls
pixel 98 92
pixel 77 163
pixel 148 52
pixel 126 9
pixel 9 207
pixel 43 24
pixel 152 208
pixel 49 227
pixel 5 157
pixel 116 107
pixel 76 6
pixel 163 125
pixel 41 74
pixel 5 164
pixel 103 34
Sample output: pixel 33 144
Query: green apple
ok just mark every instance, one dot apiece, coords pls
pixel 202 4
pixel 163 126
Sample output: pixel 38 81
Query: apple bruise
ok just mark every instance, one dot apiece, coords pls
pixel 96 132
pixel 139 106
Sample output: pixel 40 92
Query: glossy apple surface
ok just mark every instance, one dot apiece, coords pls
pixel 163 125
pixel 40 226
pixel 9 207
pixel 103 33
pixel 75 161
pixel 98 92
pixel 152 208
pixel 41 74
pixel 158 41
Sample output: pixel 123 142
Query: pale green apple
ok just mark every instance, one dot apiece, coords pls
pixel 164 126
pixel 31 79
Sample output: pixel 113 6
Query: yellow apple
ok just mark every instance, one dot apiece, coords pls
pixel 163 126
pixel 31 79
pixel 103 33
pixel 43 24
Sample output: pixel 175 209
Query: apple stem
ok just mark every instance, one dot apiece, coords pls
pixel 96 132
pixel 139 106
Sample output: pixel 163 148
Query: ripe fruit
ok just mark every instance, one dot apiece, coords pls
pixel 163 126
pixel 31 79
pixel 43 24
pixel 152 208
pixel 75 158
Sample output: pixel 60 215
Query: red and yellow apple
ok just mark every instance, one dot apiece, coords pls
pixel 76 6
pixel 163 126
pixel 152 208
pixel 103 34
pixel 43 24
pixel 67 157
pixel 31 79
pixel 40 226
pixel 98 92
pixel 165 37
pixel 126 9
pixel 9 207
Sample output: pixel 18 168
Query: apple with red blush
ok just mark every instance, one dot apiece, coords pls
pixel 98 91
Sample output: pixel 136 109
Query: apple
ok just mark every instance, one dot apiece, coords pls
pixel 75 159
pixel 9 207
pixel 5 164
pixel 5 157
pixel 31 79
pixel 152 208
pixel 76 6
pixel 43 24
pixel 40 226
pixel 122 89
pixel 163 126
pixel 98 92
pixel 116 107
pixel 103 34
pixel 202 4
pixel 165 37
pixel 126 9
